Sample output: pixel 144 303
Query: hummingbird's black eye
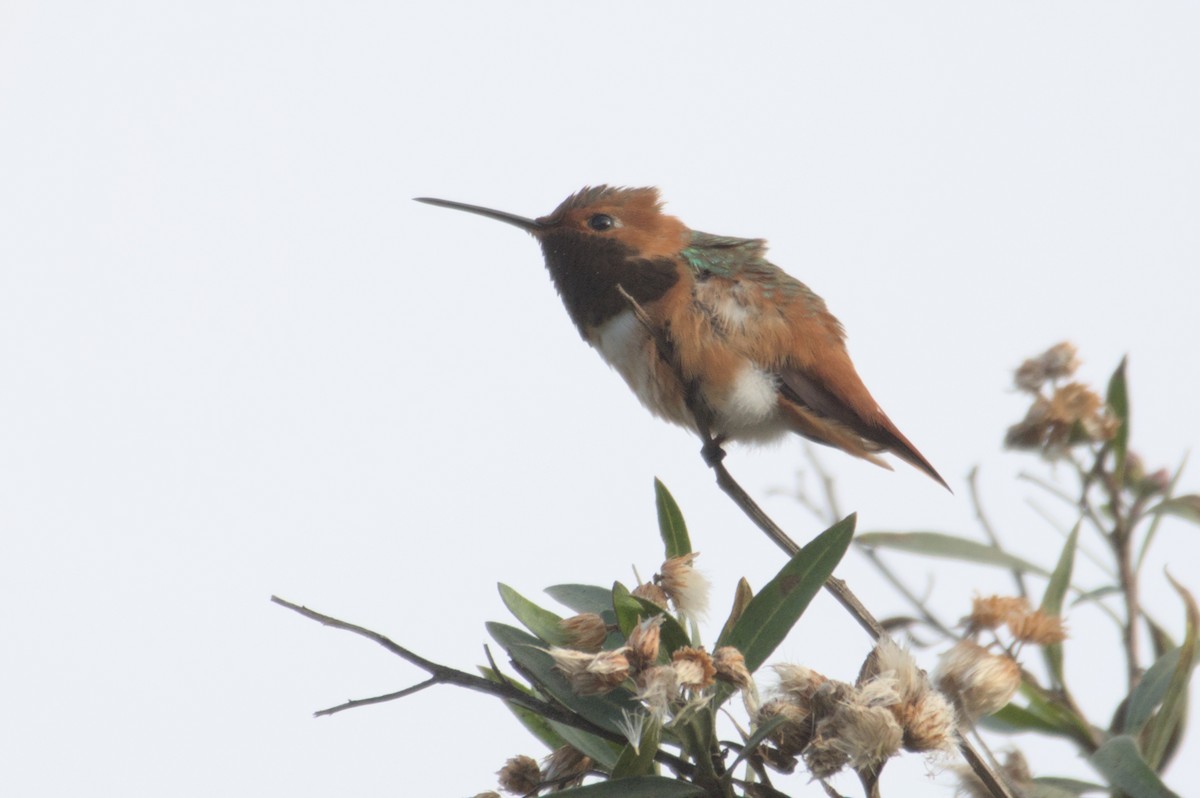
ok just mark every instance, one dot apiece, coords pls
pixel 601 222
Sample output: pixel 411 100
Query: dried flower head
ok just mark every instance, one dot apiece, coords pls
pixel 586 631
pixel 890 659
pixel 693 668
pixel 651 592
pixel 658 687
pixel 796 730
pixel 684 585
pixel 1037 627
pixel 798 682
pixel 867 735
pixel 731 667
pixel 1074 414
pixel 520 776
pixel 564 767
pixel 981 682
pixel 592 674
pixel 1055 363
pixel 993 612
pixel 824 757
pixel 644 642
pixel 930 723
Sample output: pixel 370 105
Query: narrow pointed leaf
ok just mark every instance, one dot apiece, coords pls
pixel 1186 507
pixel 629 611
pixel 530 654
pixel 773 612
pixel 1149 692
pixel 1118 400
pixel 754 740
pixel 635 787
pixel 1095 595
pixel 641 761
pixel 1015 718
pixel 1119 761
pixel 741 600
pixel 1069 786
pixel 937 544
pixel 538 726
pixel 1164 725
pixel 670 522
pixel 1052 602
pixel 603 752
pixel 541 622
pixel 582 598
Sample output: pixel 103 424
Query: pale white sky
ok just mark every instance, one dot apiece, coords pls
pixel 237 359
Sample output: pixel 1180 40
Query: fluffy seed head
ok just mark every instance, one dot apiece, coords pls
pixel 592 674
pixel 1038 627
pixel 644 642
pixel 981 682
pixel 657 689
pixel 693 667
pixel 565 767
pixel 651 592
pixel 586 631
pixel 684 585
pixel 993 612
pixel 520 775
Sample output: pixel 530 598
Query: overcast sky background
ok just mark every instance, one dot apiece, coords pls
pixel 237 360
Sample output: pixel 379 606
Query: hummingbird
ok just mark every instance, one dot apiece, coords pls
pixel 754 348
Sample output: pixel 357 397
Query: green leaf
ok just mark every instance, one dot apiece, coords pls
pixel 541 622
pixel 1069 786
pixel 536 664
pixel 1095 595
pixel 741 599
pixel 629 609
pixel 751 743
pixel 937 544
pixel 1118 400
pixel 636 787
pixel 538 726
pixel 1052 602
pixel 1119 761
pixel 670 522
pixel 1149 692
pixel 1015 718
pixel 773 612
pixel 582 598
pixel 1186 507
pixel 603 752
pixel 1165 724
pixel 641 761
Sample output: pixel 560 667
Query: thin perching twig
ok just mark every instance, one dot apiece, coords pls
pixel 713 455
pixel 442 674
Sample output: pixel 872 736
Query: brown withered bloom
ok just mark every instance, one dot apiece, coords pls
pixel 592 674
pixel 1073 414
pixel 585 632
pixel 798 682
pixel 992 612
pixel 926 717
pixel 794 734
pixel 1038 628
pixel 1057 362
pixel 651 592
pixel 693 667
pixel 564 767
pixel 981 682
pixel 684 585
pixel 731 667
pixel 643 643
pixel 867 735
pixel 520 776
pixel 658 688
pixel 824 757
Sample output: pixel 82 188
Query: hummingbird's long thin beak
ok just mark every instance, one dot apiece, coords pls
pixel 528 225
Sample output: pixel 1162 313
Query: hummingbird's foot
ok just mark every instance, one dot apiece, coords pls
pixel 712 452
